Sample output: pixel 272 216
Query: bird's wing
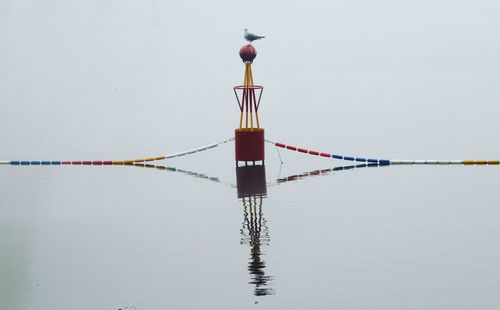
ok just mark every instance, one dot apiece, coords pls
pixel 251 36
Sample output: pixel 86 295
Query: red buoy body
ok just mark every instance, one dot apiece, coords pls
pixel 249 144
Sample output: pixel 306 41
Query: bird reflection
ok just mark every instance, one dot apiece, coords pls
pixel 252 189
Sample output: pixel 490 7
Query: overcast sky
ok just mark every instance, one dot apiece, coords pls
pixel 406 79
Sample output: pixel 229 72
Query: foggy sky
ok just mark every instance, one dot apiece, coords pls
pixel 400 79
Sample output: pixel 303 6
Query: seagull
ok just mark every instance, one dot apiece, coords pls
pixel 250 37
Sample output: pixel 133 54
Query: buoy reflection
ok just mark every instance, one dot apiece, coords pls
pixel 252 190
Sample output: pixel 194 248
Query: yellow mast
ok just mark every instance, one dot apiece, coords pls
pixel 249 100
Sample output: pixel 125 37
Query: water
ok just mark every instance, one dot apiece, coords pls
pixel 389 237
pixel 122 79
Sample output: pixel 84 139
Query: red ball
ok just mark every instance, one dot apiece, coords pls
pixel 248 53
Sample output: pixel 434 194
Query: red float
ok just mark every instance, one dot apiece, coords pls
pixel 248 53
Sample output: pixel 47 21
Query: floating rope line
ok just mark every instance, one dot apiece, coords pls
pixel 109 162
pixel 382 162
pixel 200 149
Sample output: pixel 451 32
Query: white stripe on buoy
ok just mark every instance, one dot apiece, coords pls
pixel 426 162
pixel 443 162
pixel 408 162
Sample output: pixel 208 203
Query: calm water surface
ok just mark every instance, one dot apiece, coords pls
pixel 181 238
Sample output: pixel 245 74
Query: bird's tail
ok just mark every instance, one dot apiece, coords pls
pixel 262 37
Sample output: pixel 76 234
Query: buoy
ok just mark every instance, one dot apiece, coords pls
pixel 249 137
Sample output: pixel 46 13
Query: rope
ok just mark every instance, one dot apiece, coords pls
pixel 383 162
pixel 200 149
pixel 109 162
pixel 279 155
